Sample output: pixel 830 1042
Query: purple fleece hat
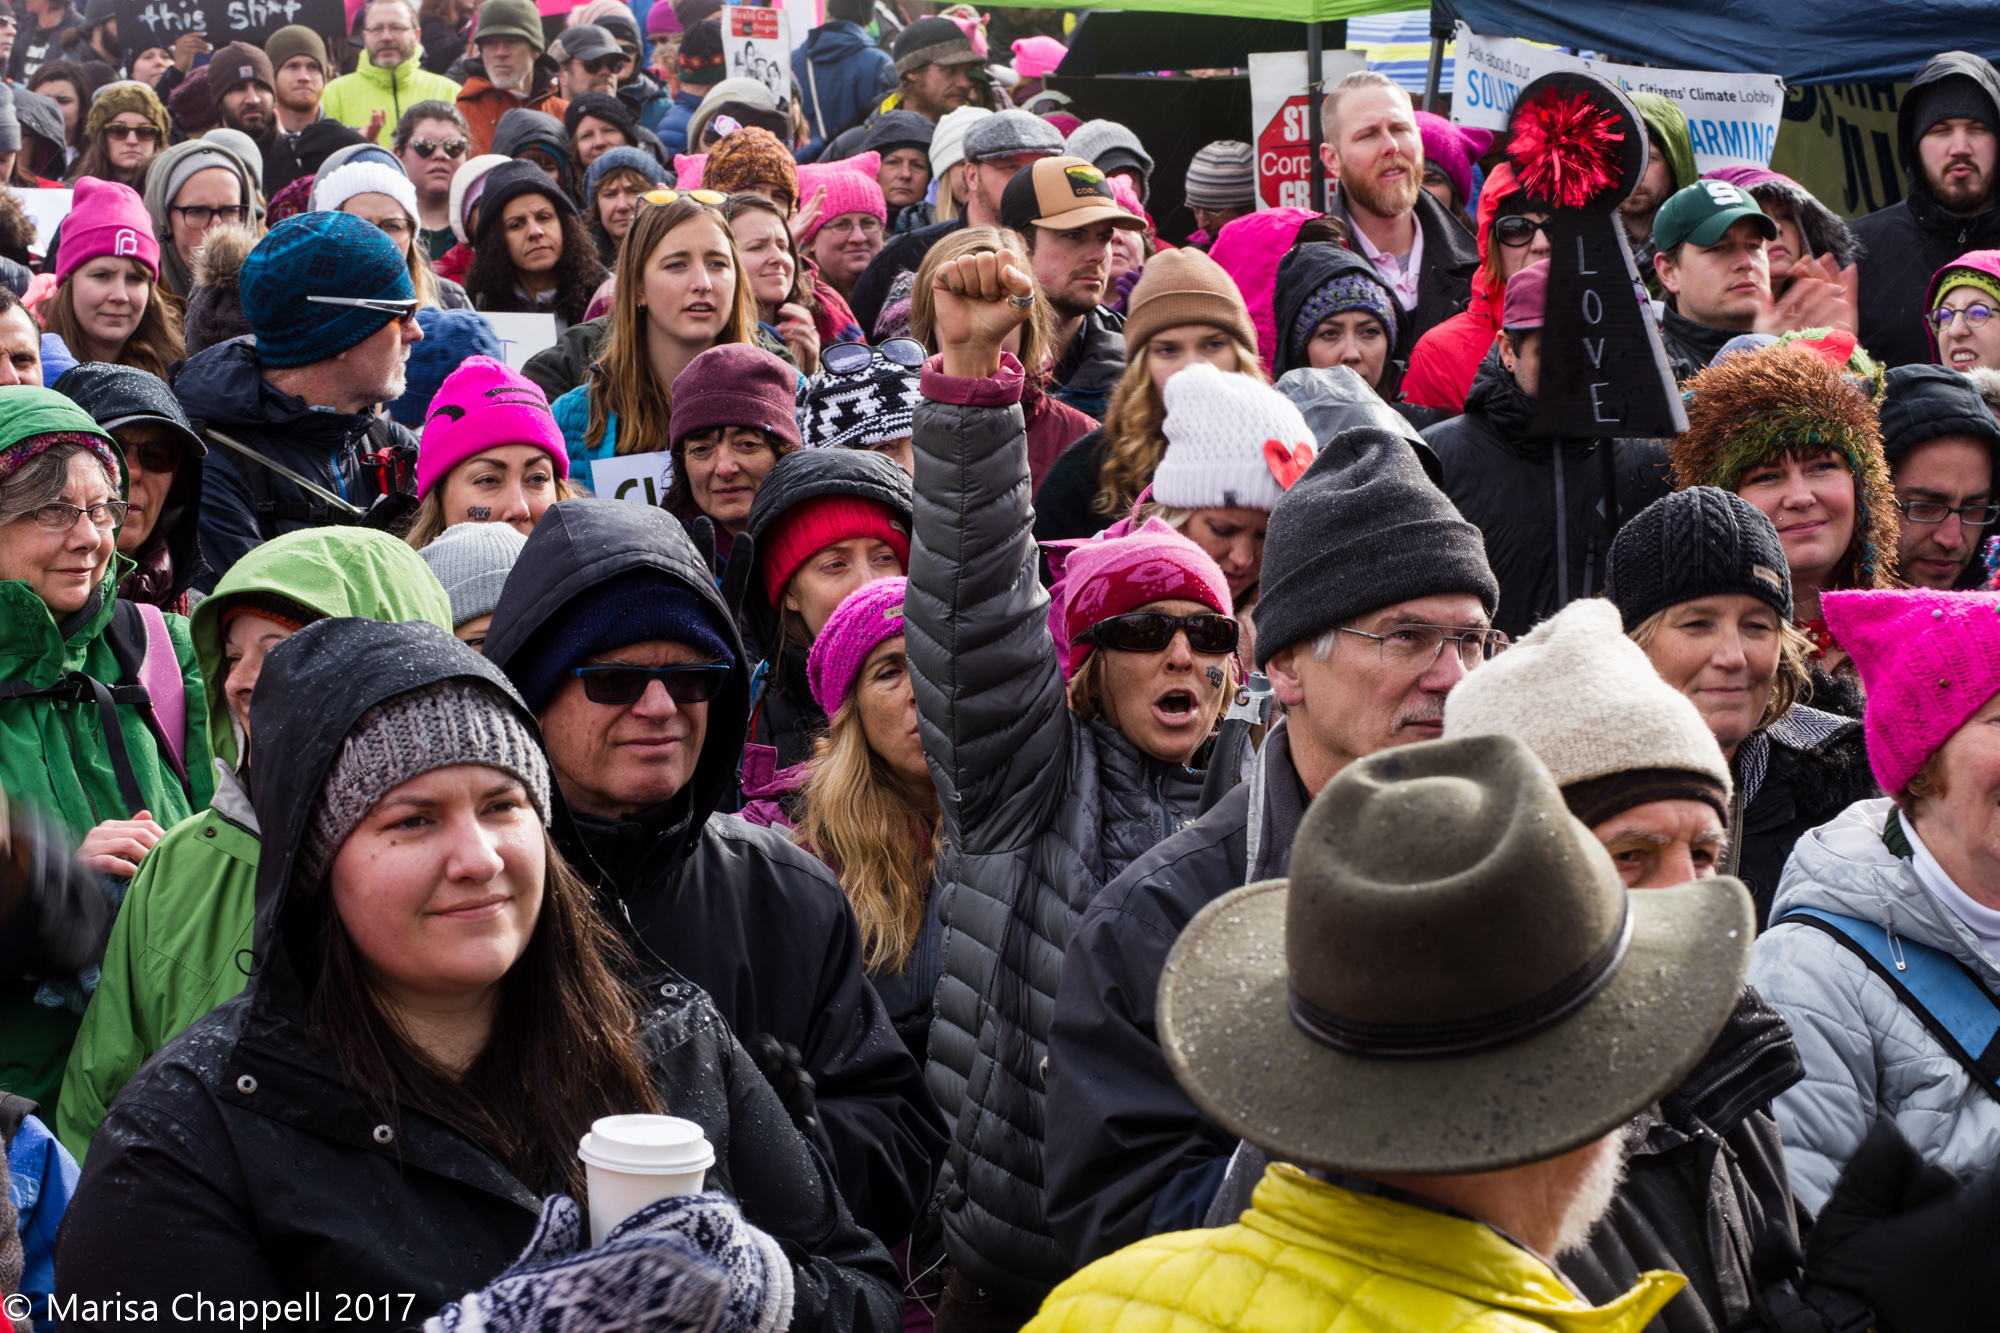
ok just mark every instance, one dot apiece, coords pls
pixel 1445 145
pixel 1928 660
pixel 736 384
pixel 481 405
pixel 1747 178
pixel 865 618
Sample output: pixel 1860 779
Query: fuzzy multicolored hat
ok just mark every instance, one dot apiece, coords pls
pixel 1815 392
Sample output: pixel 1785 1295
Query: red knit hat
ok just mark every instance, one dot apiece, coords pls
pixel 813 525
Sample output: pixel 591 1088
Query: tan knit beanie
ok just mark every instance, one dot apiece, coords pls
pixel 1184 287
pixel 1587 701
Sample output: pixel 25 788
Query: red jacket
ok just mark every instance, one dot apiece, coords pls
pixel 1445 359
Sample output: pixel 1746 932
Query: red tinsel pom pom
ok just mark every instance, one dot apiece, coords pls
pixel 1562 147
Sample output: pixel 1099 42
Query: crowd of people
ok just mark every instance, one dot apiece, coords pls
pixel 834 695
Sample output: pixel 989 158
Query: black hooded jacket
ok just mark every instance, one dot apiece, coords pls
pixel 265 1175
pixel 1304 270
pixel 783 714
pixel 170 560
pixel 1545 526
pixel 1910 241
pixel 757 922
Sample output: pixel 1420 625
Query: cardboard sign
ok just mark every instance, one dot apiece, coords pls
pixel 1281 108
pixel 758 44
pixel 641 478
pixel 1732 118
pixel 46 209
pixel 160 22
pixel 521 335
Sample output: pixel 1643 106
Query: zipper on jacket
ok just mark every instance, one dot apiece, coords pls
pixel 1160 799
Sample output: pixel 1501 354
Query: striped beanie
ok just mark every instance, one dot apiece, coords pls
pixel 1223 175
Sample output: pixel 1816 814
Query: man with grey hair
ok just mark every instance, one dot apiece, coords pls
pixel 1374 151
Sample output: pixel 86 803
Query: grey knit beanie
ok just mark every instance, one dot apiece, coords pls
pixel 455 721
pixel 1107 145
pixel 1223 175
pixel 472 561
pixel 1364 528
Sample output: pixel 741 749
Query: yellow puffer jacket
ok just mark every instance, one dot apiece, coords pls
pixel 1310 1256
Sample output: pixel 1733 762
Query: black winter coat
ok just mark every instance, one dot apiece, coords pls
pixel 1128 1154
pixel 1793 776
pixel 243 504
pixel 1041 810
pixel 759 924
pixel 1088 372
pixel 904 254
pixel 1451 256
pixel 1690 346
pixel 1908 242
pixel 1063 506
pixel 1545 526
pixel 262 1173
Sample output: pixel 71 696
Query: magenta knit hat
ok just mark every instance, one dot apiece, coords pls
pixel 1249 250
pixel 481 405
pixel 1928 659
pixel 1101 577
pixel 107 218
pixel 736 384
pixel 1036 56
pixel 850 188
pixel 1747 178
pixel 870 614
pixel 1445 146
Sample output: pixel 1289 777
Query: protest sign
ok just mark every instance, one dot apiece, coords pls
pixel 1839 141
pixel 1732 118
pixel 252 21
pixel 641 478
pixel 46 209
pixel 758 44
pixel 1280 120
pixel 521 335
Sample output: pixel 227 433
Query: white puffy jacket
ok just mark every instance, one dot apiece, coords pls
pixel 1867 1057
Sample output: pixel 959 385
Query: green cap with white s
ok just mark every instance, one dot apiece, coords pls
pixel 1703 212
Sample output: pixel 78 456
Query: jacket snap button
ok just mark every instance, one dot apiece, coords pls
pixel 208 833
pixel 384 1134
pixel 246 1085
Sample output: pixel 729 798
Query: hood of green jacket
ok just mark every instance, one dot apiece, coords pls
pixel 334 571
pixel 1669 129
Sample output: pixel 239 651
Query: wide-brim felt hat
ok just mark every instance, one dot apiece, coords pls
pixel 1226 1003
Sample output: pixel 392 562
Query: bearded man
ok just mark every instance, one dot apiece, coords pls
pixel 1374 150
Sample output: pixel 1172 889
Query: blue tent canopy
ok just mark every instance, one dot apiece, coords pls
pixel 1801 41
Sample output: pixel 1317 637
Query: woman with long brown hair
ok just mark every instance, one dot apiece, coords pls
pixel 436 1016
pixel 681 293
pixel 108 304
pixel 780 280
pixel 532 252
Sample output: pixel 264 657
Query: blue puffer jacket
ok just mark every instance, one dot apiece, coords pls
pixel 841 73
pixel 673 126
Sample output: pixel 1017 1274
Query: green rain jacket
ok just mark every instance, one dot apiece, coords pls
pixel 54 755
pixel 178 948
pixel 1669 128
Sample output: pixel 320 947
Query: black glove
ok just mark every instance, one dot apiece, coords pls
pixel 391 512
pixel 1921 1249
pixel 54 911
pixel 702 531
pixel 781 1063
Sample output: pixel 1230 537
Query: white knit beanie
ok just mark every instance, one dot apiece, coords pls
pixel 1587 701
pixel 948 140
pixel 1232 443
pixel 365 177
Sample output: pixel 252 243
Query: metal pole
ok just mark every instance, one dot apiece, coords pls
pixel 1435 73
pixel 1315 95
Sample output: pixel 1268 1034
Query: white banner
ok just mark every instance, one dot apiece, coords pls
pixel 758 44
pixel 1280 127
pixel 640 478
pixel 1732 118
pixel 521 334
pixel 45 209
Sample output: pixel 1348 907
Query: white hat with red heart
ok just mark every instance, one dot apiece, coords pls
pixel 1232 442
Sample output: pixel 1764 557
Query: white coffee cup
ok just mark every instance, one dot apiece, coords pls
pixel 633 1160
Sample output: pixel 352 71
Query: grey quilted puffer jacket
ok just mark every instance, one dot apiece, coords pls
pixel 1867 1057
pixel 1040 812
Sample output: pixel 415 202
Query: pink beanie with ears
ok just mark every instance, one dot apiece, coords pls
pixel 865 618
pixel 1101 577
pixel 1928 660
pixel 850 188
pixel 107 219
pixel 1036 56
pixel 482 405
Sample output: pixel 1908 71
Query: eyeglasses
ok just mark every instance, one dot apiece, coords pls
pixel 1153 631
pixel 1931 511
pixel 865 223
pixel 143 133
pixel 451 148
pixel 104 515
pixel 395 228
pixel 406 311
pixel 696 683
pixel 1975 314
pixel 1412 648
pixel 1515 231
pixel 713 198
pixel 852 358
pixel 199 216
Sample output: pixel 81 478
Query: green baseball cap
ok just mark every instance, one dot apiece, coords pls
pixel 1703 212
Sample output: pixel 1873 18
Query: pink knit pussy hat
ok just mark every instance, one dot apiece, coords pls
pixel 482 405
pixel 1036 56
pixel 1928 659
pixel 850 188
pixel 1099 577
pixel 865 618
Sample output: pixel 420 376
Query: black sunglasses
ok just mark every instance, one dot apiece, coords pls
pixel 1153 631
pixel 851 358
pixel 696 683
pixel 1514 231
pixel 599 64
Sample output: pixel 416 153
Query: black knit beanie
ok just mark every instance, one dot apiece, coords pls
pixel 1364 528
pixel 1949 98
pixel 1700 542
pixel 1922 403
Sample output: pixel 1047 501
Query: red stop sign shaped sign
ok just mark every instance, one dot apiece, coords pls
pixel 1284 156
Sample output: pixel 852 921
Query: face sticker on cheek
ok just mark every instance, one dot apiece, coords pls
pixel 1215 677
pixel 478 513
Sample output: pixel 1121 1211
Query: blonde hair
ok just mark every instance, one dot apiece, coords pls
pixel 1037 334
pixel 1134 442
pixel 1085 691
pixel 1791 682
pixel 858 817
pixel 621 378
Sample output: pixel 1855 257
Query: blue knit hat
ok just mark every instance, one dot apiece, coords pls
pixel 638 606
pixel 630 159
pixel 319 254
pixel 450 336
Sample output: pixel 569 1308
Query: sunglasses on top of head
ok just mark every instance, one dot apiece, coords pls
pixel 851 358
pixel 1152 631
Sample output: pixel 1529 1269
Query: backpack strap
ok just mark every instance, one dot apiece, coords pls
pixel 160 673
pixel 76 688
pixel 1940 990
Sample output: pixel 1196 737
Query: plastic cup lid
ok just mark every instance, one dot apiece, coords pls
pixel 653 1145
